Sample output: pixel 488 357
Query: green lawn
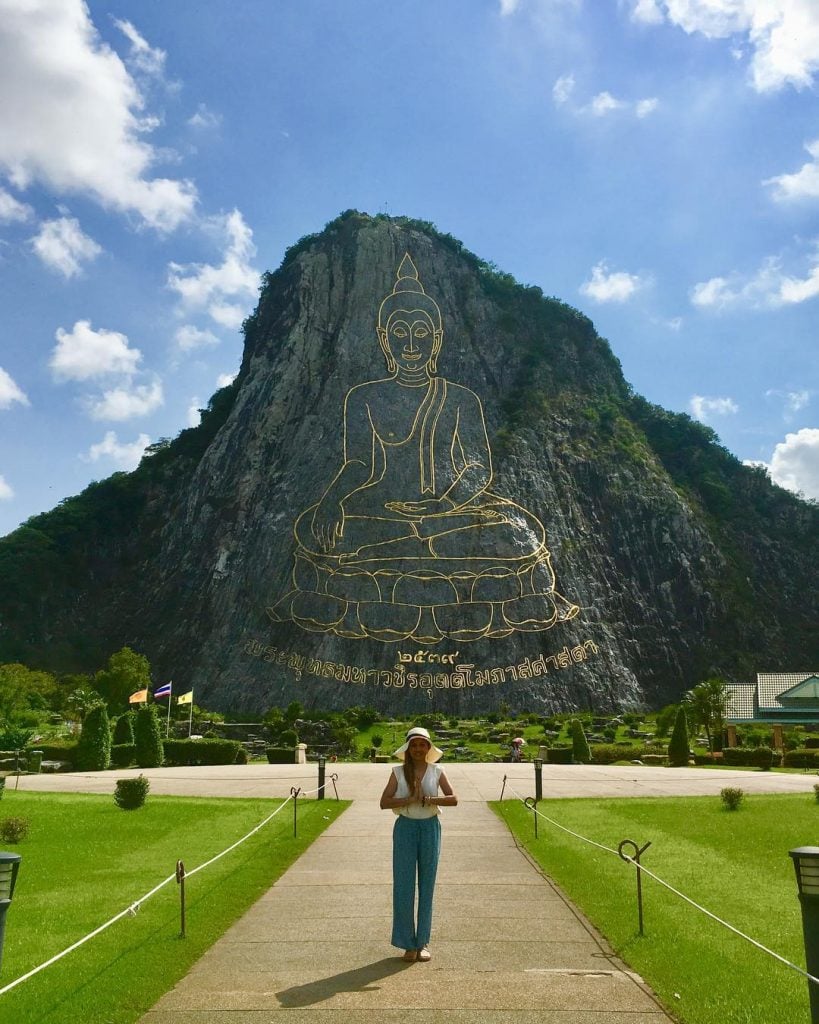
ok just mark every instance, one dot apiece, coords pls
pixel 734 864
pixel 85 860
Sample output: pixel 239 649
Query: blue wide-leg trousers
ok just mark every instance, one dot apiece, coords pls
pixel 416 846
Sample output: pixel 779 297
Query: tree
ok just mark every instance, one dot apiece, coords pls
pixel 125 673
pixel 294 711
pixel 679 744
pixel 580 745
pixel 79 702
pixel 708 702
pixel 124 729
pixel 148 737
pixel 665 719
pixel 24 689
pixel 94 747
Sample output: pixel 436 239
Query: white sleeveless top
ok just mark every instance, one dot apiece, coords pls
pixel 429 787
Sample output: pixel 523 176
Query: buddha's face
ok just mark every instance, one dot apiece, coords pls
pixel 411 338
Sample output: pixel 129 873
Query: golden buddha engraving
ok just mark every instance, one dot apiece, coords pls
pixel 407 541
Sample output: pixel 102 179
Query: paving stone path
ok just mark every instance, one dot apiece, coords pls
pixel 507 948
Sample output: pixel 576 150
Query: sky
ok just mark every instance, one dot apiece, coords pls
pixel 654 163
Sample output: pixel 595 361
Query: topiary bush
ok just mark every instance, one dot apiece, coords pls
pixel 754 757
pixel 131 794
pixel 148 737
pixel 581 753
pixel 288 738
pixel 678 745
pixel 801 758
pixel 608 753
pixel 197 752
pixel 280 755
pixel 558 755
pixel 124 728
pixel 123 754
pixel 731 797
pixel 242 756
pixel 94 747
pixel 56 751
pixel 14 830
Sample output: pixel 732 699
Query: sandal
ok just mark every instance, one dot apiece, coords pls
pixel 424 955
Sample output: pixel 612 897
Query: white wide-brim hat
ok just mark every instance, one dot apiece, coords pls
pixel 433 754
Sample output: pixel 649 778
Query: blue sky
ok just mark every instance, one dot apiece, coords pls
pixel 653 162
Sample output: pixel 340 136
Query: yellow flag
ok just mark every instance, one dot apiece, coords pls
pixel 140 697
pixel 185 698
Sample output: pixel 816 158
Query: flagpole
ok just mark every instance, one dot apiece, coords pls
pixel 190 717
pixel 168 722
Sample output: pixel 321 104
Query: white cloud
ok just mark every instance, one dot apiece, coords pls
pixel 802 184
pixel 194 414
pixel 124 456
pixel 62 245
pixel 224 379
pixel 126 402
pixel 12 209
pixel 603 103
pixel 795 462
pixel 793 401
pixel 204 118
pixel 188 337
pixel 769 288
pixel 782 35
pixel 509 6
pixel 88 112
pixel 617 286
pixel 6 493
pixel 10 391
pixel 84 353
pixel 563 88
pixel 203 286
pixel 147 59
pixel 702 408
pixel 647 106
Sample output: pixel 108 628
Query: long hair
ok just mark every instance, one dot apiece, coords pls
pixel 409 767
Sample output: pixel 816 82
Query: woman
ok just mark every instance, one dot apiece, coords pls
pixel 412 793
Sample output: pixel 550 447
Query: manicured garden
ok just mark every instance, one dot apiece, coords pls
pixel 84 860
pixel 735 864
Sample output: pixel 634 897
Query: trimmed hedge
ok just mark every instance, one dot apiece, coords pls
pixel 193 752
pixel 56 751
pixel 801 758
pixel 754 757
pixel 559 755
pixel 123 754
pixel 608 753
pixel 283 755
pixel 94 747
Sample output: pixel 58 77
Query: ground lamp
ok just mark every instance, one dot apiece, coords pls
pixel 806 862
pixel 538 763
pixel 9 866
pixel 321 764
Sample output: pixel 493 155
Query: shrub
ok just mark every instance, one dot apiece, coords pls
pixel 242 756
pixel 14 830
pixel 376 740
pixel 608 753
pixel 558 755
pixel 580 745
pixel 812 742
pixel 3 787
pixel 124 729
pixel 13 737
pixel 280 755
pixel 288 738
pixel 148 738
pixel 55 751
pixel 94 747
pixel 756 757
pixel 801 758
pixel 731 797
pixel 204 751
pixel 678 746
pixel 815 790
pixel 131 793
pixel 123 754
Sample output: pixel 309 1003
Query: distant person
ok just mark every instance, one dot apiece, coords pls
pixel 516 755
pixel 412 793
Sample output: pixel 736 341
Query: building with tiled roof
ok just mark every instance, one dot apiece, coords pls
pixel 785 698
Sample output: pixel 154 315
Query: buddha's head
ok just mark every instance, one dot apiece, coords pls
pixel 409 324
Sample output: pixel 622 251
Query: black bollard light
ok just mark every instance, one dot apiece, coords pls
pixel 9 866
pixel 321 764
pixel 806 862
pixel 538 763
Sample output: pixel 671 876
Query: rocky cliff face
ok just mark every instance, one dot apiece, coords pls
pixel 674 561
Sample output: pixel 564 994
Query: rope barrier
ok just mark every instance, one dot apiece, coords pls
pixel 641 867
pixel 132 908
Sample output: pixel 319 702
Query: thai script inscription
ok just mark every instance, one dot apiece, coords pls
pixel 463 676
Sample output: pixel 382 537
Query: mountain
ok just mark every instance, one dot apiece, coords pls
pixel 428 487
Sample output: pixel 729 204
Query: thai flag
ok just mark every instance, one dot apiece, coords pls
pixel 163 691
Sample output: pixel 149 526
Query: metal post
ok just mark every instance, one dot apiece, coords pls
pixel 503 787
pixel 635 857
pixel 294 792
pixel 321 764
pixel 806 862
pixel 538 763
pixel 532 805
pixel 180 880
pixel 334 780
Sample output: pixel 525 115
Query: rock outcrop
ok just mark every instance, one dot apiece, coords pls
pixel 664 559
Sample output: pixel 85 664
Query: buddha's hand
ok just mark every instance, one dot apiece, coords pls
pixel 421 509
pixel 328 524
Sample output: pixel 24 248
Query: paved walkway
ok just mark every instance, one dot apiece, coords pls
pixel 507 948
